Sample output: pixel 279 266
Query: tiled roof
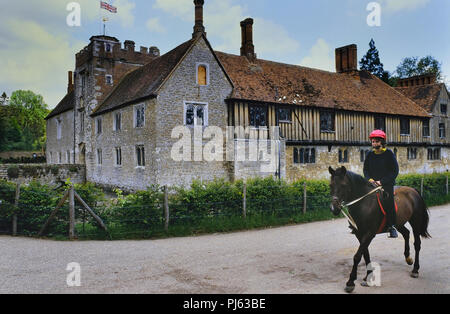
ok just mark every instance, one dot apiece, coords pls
pixel 267 81
pixel 424 95
pixel 143 82
pixel 66 104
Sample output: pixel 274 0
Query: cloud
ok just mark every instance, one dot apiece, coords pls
pixel 36 60
pixel 36 45
pixel 222 21
pixel 124 12
pixel 154 25
pixel 393 6
pixel 180 8
pixel 320 57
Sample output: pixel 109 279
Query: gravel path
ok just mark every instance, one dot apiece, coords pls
pixel 308 258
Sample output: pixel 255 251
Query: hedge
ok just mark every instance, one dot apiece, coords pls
pixel 212 206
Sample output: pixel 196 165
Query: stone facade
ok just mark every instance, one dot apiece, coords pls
pixel 99 67
pixel 440 117
pixel 326 157
pixel 162 115
pixel 60 143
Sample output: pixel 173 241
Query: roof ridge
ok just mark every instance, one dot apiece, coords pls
pixel 280 63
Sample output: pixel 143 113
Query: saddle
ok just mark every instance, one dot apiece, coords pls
pixel 382 228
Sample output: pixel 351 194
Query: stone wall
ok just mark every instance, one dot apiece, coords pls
pixel 326 158
pixel 43 173
pixel 275 151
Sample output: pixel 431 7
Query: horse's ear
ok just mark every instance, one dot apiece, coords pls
pixel 332 172
pixel 341 172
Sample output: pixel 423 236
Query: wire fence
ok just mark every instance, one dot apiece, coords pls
pixel 23 211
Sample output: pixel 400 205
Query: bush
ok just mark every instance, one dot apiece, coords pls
pixel 216 198
pixel 13 172
pixel 141 210
pixel 36 203
pixel 7 198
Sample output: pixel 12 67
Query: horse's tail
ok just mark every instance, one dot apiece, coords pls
pixel 423 231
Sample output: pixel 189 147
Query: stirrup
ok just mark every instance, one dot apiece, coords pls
pixel 392 232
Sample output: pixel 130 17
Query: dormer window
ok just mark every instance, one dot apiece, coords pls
pixel 202 74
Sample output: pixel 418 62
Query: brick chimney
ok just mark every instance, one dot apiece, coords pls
pixel 418 80
pixel 70 82
pixel 129 45
pixel 247 48
pixel 347 59
pixel 199 29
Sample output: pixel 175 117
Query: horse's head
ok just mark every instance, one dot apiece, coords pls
pixel 340 187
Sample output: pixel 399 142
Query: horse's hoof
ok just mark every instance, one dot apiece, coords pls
pixel 349 289
pixel 409 261
pixel 414 274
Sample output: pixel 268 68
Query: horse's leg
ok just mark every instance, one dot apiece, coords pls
pixel 366 256
pixel 405 233
pixel 417 243
pixel 364 244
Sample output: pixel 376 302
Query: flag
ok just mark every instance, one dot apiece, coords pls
pixel 107 6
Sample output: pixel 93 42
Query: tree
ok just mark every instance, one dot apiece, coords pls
pixel 4 99
pixel 413 66
pixel 22 122
pixel 371 62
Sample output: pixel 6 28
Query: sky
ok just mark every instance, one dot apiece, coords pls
pixel 38 44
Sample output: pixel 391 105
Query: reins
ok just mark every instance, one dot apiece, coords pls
pixel 345 206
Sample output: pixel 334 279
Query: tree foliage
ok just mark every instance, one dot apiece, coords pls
pixel 22 122
pixel 371 62
pixel 413 66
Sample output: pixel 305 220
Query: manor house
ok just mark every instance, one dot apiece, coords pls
pixel 122 107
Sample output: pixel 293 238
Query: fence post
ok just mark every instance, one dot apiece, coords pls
pixel 244 201
pixel 446 184
pixel 166 208
pixel 71 213
pixel 304 198
pixel 421 187
pixel 16 207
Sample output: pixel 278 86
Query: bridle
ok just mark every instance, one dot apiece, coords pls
pixel 345 205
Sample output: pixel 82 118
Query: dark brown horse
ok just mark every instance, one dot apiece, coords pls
pixel 347 186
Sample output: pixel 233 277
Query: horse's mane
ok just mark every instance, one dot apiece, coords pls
pixel 356 179
pixel 359 183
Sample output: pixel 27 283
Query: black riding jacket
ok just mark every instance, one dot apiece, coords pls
pixel 381 167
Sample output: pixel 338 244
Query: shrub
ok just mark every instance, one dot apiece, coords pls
pixel 203 200
pixel 13 172
pixel 36 203
pixel 141 210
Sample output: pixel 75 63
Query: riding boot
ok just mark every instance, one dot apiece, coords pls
pixel 390 211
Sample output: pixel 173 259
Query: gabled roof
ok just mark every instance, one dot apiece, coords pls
pixel 66 104
pixel 143 82
pixel 267 81
pixel 424 95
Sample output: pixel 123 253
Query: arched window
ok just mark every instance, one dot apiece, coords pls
pixel 202 75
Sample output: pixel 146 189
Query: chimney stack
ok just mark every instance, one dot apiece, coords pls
pixel 70 82
pixel 247 48
pixel 418 80
pixel 129 45
pixel 347 59
pixel 199 29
